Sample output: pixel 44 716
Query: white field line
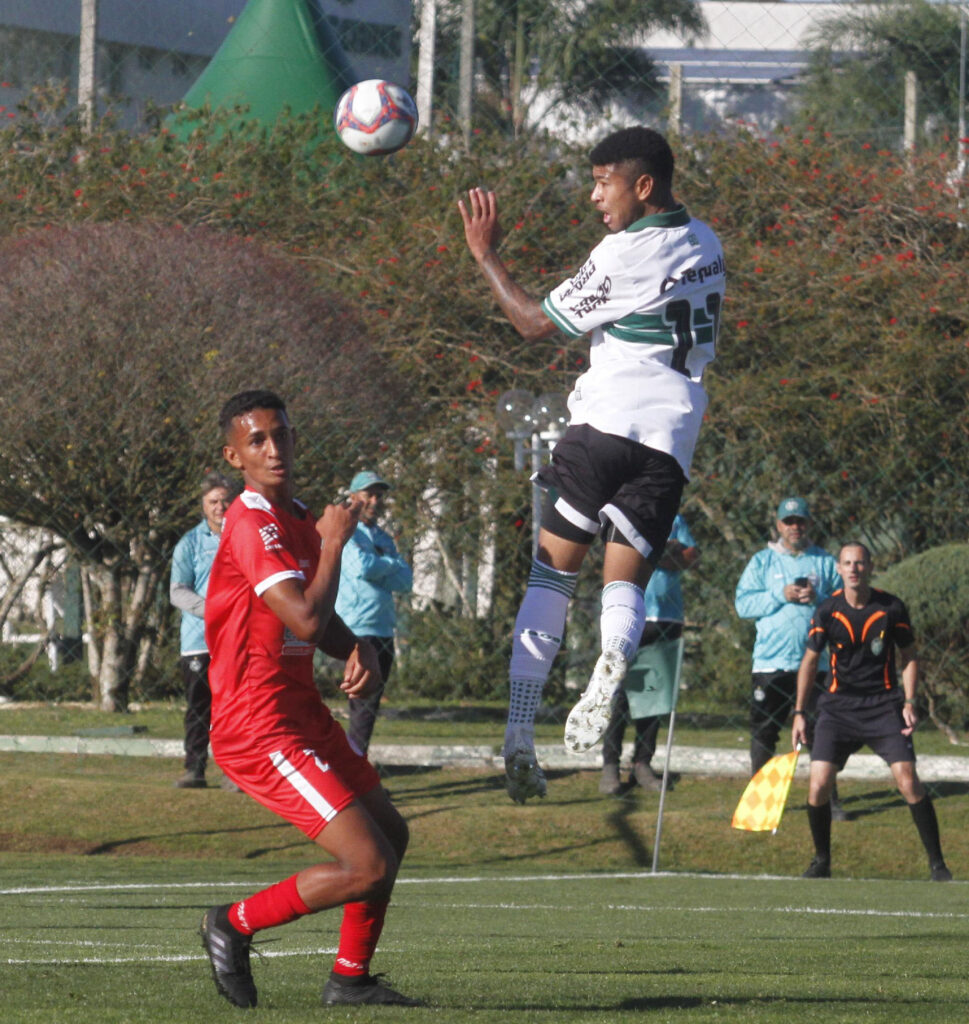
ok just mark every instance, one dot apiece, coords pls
pixel 638 908
pixel 156 958
pixel 442 880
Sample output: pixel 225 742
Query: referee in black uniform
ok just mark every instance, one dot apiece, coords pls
pixel 862 702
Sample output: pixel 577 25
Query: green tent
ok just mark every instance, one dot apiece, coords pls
pixel 280 54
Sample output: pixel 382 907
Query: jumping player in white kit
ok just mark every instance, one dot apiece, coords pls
pixel 650 294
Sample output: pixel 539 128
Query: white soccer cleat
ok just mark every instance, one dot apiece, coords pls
pixel 587 721
pixel 523 776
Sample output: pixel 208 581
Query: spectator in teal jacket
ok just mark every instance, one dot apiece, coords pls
pixel 780 588
pixel 372 572
pixel 191 564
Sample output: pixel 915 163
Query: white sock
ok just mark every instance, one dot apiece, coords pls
pixel 622 619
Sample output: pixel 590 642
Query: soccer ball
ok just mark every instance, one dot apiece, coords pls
pixel 375 117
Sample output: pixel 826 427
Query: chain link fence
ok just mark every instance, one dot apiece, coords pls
pixel 826 143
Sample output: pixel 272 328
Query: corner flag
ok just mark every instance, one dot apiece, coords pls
pixel 762 804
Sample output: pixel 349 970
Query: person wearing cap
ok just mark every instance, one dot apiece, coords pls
pixel 372 571
pixel 780 588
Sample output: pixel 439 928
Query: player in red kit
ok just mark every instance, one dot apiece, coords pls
pixel 269 606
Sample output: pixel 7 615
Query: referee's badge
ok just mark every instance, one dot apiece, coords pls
pixel 878 645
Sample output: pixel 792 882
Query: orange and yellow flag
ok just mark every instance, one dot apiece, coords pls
pixel 762 804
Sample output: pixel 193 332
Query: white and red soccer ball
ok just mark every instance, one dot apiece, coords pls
pixel 375 117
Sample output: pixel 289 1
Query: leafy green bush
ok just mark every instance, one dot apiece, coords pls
pixel 935 588
pixel 843 353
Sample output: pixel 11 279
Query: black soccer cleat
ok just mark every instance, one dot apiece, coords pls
pixel 367 989
pixel 940 873
pixel 820 867
pixel 228 951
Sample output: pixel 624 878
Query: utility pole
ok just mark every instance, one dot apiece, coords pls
pixel 911 109
pixel 87 79
pixel 466 71
pixel 960 141
pixel 425 66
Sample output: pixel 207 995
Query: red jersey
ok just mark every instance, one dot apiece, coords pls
pixel 260 674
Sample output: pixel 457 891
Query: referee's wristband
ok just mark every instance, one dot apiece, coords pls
pixel 797 711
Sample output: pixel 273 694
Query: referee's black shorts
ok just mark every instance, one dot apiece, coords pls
pixel 602 478
pixel 845 723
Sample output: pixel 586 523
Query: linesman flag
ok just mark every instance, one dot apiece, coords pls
pixel 762 804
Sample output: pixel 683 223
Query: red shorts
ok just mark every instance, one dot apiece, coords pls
pixel 307 780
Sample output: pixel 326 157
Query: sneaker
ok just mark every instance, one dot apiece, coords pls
pixel 191 780
pixel 366 989
pixel 228 951
pixel 523 776
pixel 228 785
pixel 609 782
pixel 820 867
pixel 646 778
pixel 838 813
pixel 587 721
pixel 940 873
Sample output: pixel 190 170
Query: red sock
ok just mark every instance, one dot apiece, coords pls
pixel 279 904
pixel 359 932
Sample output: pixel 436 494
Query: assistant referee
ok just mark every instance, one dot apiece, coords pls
pixel 862 703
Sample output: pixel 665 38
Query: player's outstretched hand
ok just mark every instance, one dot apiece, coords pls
pixel 480 216
pixel 338 522
pixel 361 675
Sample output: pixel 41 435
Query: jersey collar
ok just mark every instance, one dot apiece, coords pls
pixel 675 218
pixel 253 499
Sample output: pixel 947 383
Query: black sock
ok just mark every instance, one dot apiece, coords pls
pixel 819 818
pixel 351 980
pixel 923 814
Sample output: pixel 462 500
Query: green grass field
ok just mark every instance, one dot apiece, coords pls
pixel 544 913
pixel 116 943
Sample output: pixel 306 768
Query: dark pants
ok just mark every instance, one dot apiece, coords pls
pixel 647 729
pixel 772 701
pixel 363 710
pixel 198 709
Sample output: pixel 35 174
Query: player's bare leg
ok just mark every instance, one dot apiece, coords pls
pixel 367 839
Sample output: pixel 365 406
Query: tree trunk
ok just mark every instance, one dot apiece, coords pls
pixel 122 629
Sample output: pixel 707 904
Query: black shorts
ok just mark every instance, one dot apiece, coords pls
pixel 845 724
pixel 599 478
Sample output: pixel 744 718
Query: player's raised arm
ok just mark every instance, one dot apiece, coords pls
pixel 483 232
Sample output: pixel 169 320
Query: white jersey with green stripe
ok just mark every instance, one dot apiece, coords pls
pixel 651 297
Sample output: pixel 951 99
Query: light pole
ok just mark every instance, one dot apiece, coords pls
pixel 540 421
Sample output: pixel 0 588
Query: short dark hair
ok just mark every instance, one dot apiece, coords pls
pixel 212 481
pixel 645 147
pixel 856 544
pixel 246 401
